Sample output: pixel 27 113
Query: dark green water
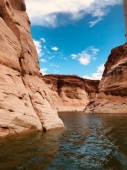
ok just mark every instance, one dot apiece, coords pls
pixel 90 142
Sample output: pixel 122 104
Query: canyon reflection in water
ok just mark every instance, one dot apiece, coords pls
pixel 89 142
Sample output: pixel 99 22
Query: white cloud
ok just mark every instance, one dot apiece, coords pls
pixel 46 12
pixel 45 47
pixel 74 56
pixel 56 71
pixel 43 40
pixel 97 75
pixel 43 71
pixel 51 57
pixel 93 23
pixel 65 58
pixel 101 68
pixel 86 56
pixel 54 65
pixel 55 48
pixel 43 60
pixel 38 47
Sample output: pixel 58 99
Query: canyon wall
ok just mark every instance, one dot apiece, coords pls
pixel 28 100
pixel 25 102
pixel 71 93
pixel 112 96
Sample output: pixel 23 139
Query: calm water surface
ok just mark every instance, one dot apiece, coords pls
pixel 89 142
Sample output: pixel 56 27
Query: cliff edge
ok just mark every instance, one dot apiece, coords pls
pixel 30 101
pixel 112 92
pixel 25 102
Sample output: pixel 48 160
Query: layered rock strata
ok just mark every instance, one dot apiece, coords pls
pixel 30 101
pixel 25 102
pixel 112 96
pixel 71 93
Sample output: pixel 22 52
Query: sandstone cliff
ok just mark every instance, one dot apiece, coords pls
pixel 30 101
pixel 112 96
pixel 70 92
pixel 25 102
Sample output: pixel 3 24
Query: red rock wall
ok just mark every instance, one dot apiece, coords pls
pixel 112 96
pixel 71 93
pixel 25 102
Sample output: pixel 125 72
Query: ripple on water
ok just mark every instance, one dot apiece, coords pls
pixel 89 142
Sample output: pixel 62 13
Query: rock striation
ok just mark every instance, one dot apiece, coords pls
pixel 25 102
pixel 112 95
pixel 70 92
pixel 29 100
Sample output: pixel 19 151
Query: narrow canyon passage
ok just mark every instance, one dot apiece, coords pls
pixel 50 73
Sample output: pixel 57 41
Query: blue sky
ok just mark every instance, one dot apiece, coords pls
pixel 76 37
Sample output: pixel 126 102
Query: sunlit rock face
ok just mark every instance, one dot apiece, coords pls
pixel 114 79
pixel 30 101
pixel 112 96
pixel 71 93
pixel 25 102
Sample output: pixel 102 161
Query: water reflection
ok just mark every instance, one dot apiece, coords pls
pixel 89 142
pixel 33 152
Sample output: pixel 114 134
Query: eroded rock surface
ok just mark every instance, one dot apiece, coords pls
pixel 112 96
pixel 30 101
pixel 71 93
pixel 25 102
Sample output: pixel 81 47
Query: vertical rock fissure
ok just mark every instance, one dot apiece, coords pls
pixel 21 58
pixel 35 109
pixel 22 75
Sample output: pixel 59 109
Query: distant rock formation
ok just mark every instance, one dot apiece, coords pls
pixel 70 92
pixel 112 96
pixel 30 101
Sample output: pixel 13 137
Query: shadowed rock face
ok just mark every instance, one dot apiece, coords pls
pixel 112 96
pixel 114 79
pixel 25 102
pixel 71 93
pixel 18 5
